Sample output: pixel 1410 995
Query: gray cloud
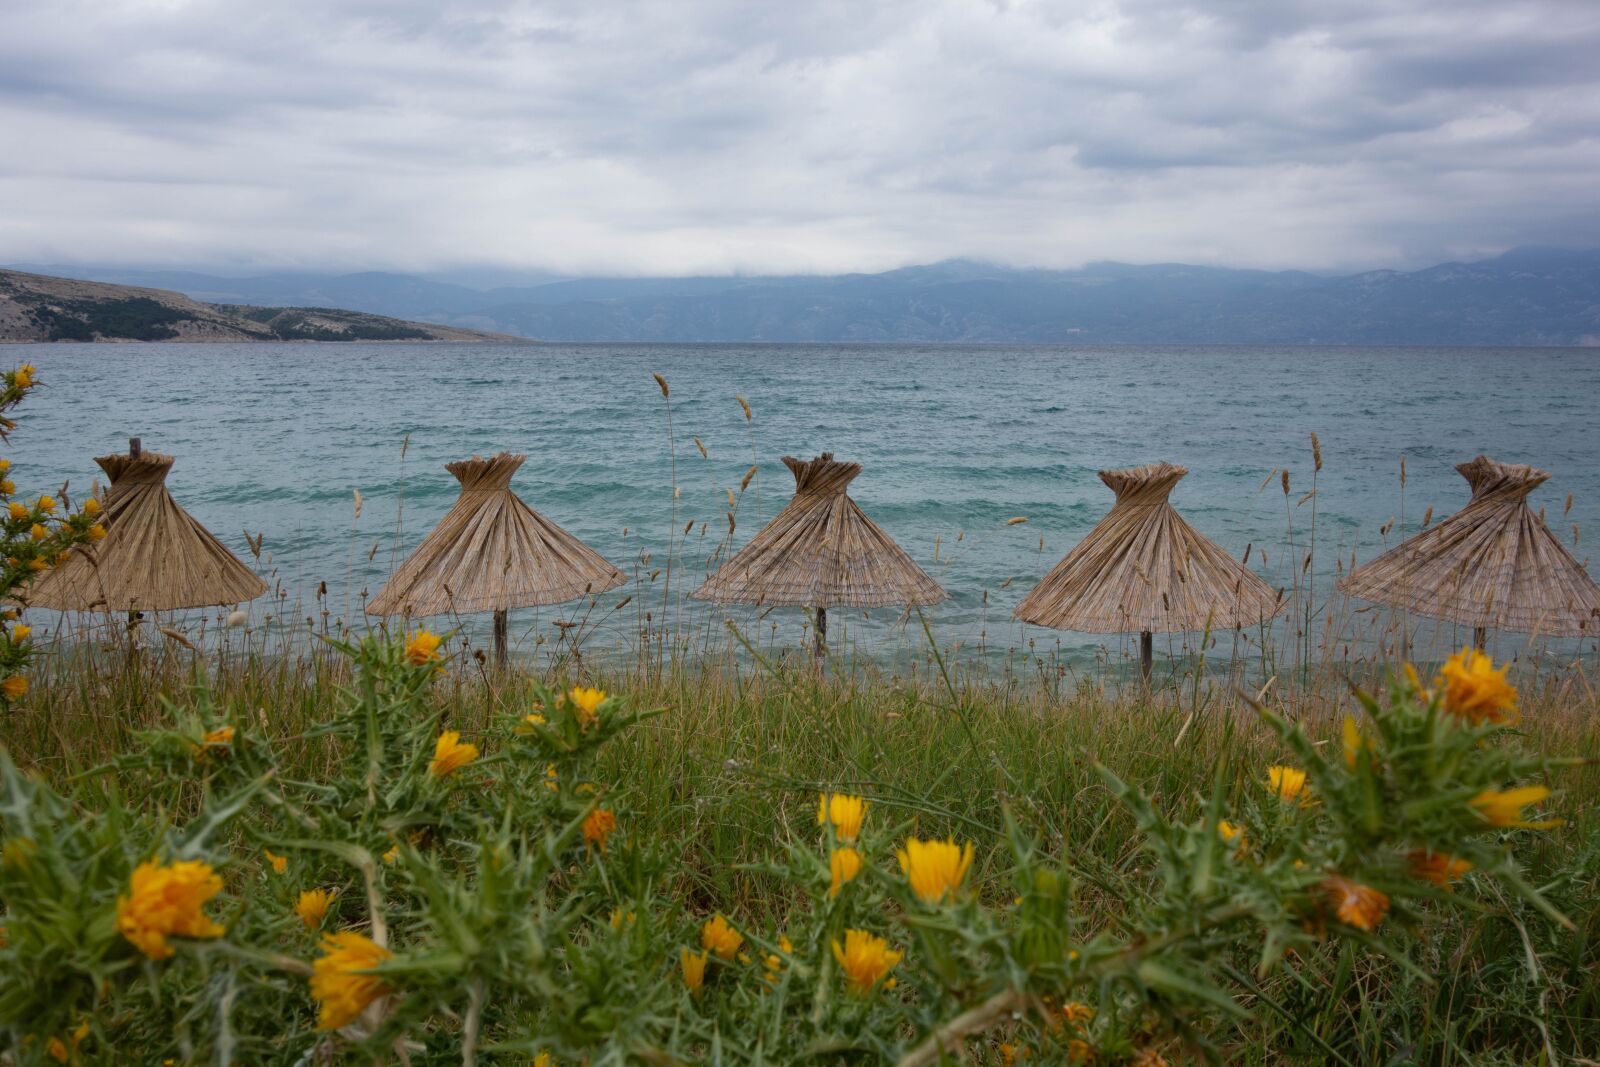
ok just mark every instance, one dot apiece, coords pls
pixel 709 135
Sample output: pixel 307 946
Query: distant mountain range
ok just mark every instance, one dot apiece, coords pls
pixel 1528 296
pixel 39 307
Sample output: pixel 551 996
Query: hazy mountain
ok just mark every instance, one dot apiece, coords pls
pixel 1527 296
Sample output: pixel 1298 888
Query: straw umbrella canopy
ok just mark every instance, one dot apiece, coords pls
pixel 821 551
pixel 492 552
pixel 1494 563
pixel 155 556
pixel 1144 569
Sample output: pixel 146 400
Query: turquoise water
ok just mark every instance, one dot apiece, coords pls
pixel 954 440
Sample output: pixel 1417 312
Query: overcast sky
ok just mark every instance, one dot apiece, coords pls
pixel 701 136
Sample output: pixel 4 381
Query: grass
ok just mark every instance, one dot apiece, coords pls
pixel 735 764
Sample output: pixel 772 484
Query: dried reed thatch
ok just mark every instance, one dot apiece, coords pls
pixel 1491 564
pixel 1142 568
pixel 492 552
pixel 155 556
pixel 821 551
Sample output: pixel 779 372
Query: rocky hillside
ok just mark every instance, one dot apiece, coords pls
pixel 38 307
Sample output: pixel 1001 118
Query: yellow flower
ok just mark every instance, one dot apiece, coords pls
pixel 1079 1051
pixel 1231 832
pixel 844 811
pixel 423 648
pixel 865 959
pixel 38 565
pixel 1504 808
pixel 542 1060
pixel 1475 690
pixel 57 1050
pixel 15 687
pixel 1288 783
pixel 393 853
pixel 1437 867
pixel 22 377
pixel 20 633
pixel 18 509
pixel 719 937
pixel 550 780
pixel 1147 1057
pixel 1353 742
pixel 619 917
pixel 91 507
pixel 597 826
pixel 450 754
pixel 167 899
pixel 774 962
pixel 7 486
pixel 279 863
pixel 5 465
pixel 97 532
pixel 586 704
pixel 935 869
pixel 312 906
pixel 1356 905
pixel 39 531
pixel 47 504
pixel 338 983
pixel 845 864
pixel 1076 1012
pixel 1010 1054
pixel 694 969
pixel 526 726
pixel 222 735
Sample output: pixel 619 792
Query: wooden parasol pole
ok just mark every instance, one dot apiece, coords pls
pixel 501 627
pixel 1480 637
pixel 822 633
pixel 1146 654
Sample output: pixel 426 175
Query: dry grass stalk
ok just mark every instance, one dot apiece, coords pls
pixel 821 551
pixel 492 552
pixel 1493 564
pixel 1142 568
pixel 155 556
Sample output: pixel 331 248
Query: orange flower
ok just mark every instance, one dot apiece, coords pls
pixel 15 687
pixel 450 754
pixel 597 826
pixel 97 532
pixel 1288 783
pixel 279 863
pixel 1076 1012
pixel 423 648
pixel 339 981
pixel 865 959
pixel 844 865
pixel 1504 807
pixel 167 899
pixel 694 969
pixel 846 812
pixel 1356 905
pixel 1475 690
pixel 1437 867
pixel 935 869
pixel 586 704
pixel 720 937
pixel 312 906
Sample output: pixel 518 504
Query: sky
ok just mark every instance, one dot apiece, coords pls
pixel 716 136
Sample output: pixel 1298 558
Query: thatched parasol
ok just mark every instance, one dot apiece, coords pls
pixel 821 551
pixel 1491 564
pixel 1142 568
pixel 155 556
pixel 492 552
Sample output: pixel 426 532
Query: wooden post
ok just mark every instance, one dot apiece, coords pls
pixel 1146 654
pixel 501 626
pixel 1480 637
pixel 822 633
pixel 134 447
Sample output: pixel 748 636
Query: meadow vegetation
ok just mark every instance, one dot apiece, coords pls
pixel 376 849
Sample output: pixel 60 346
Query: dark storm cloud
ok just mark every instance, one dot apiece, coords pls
pixel 713 136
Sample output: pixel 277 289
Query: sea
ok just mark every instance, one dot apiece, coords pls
pixel 957 444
